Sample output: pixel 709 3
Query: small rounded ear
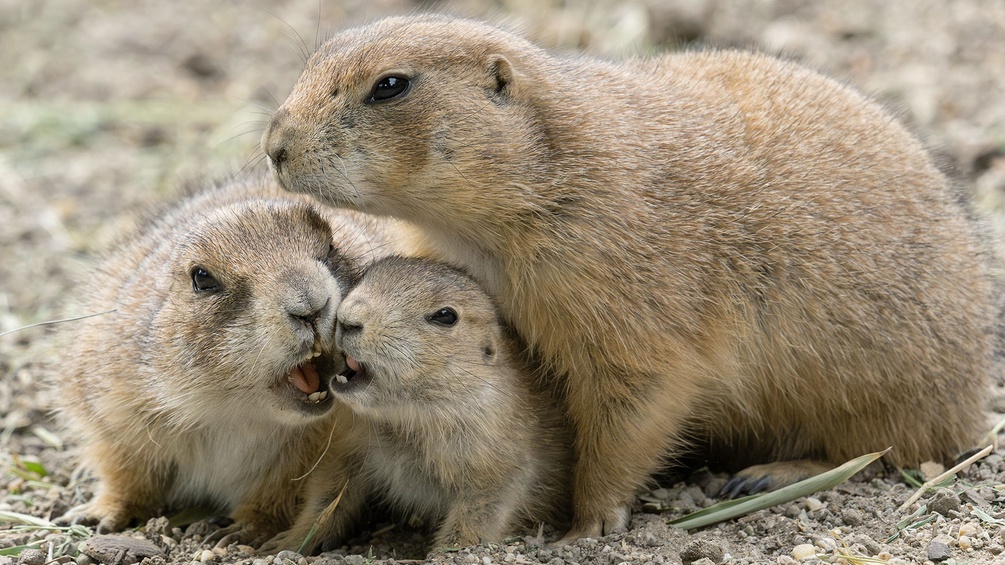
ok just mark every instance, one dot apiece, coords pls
pixel 502 70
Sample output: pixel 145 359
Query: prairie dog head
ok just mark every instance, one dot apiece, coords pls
pixel 418 337
pixel 399 117
pixel 248 295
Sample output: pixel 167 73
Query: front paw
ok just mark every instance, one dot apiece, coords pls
pixel 289 540
pixel 771 476
pixel 239 533
pixel 613 521
pixel 104 518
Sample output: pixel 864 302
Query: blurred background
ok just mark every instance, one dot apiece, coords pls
pixel 107 107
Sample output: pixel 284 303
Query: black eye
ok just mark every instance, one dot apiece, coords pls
pixel 388 88
pixel 443 317
pixel 202 281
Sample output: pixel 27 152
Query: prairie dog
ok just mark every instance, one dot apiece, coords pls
pixel 449 423
pixel 209 381
pixel 713 248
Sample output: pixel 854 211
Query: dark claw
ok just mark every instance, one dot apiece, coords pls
pixel 738 486
pixel 732 488
pixel 759 485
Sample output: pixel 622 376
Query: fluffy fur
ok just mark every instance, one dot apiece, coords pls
pixel 449 425
pixel 713 248
pixel 182 396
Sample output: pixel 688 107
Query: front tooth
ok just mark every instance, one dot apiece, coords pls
pixel 314 396
pixel 341 379
pixel 323 395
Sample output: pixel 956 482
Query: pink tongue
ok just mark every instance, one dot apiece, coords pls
pixel 353 364
pixel 305 378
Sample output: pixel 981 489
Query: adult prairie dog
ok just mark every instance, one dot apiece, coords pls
pixel 449 423
pixel 209 381
pixel 713 248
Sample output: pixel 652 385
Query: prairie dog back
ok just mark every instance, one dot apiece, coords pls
pixel 713 245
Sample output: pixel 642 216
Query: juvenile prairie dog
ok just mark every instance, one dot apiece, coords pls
pixel 713 249
pixel 208 384
pixel 449 423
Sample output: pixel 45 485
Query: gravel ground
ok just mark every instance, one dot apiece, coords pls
pixel 110 107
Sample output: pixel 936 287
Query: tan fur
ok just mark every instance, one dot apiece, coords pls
pixel 181 397
pixel 449 424
pixel 709 248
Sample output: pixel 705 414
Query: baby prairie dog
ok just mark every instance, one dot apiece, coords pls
pixel 448 425
pixel 209 381
pixel 713 250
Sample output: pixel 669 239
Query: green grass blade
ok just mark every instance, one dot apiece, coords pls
pixel 17 549
pixel 18 518
pixel 985 517
pixel 735 508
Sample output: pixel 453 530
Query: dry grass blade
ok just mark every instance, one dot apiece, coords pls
pixel 992 436
pixel 924 488
pixel 323 517
pixel 742 506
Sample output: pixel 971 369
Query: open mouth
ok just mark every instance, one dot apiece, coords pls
pixel 307 383
pixel 354 375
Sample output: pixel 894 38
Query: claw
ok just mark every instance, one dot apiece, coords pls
pixel 732 488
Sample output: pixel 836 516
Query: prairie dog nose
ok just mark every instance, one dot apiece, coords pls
pixel 307 302
pixel 351 314
pixel 276 139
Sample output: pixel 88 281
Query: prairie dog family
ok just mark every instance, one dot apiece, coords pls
pixel 449 423
pixel 209 381
pixel 711 248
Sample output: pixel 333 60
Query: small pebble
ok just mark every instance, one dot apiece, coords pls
pixel 813 504
pixel 803 551
pixel 931 470
pixel 964 542
pixel 969 529
pixel 938 551
pixel 692 495
pixel 31 557
pixel 944 501
pixel 695 550
pixel 206 556
pixel 870 545
pixel 826 544
pixel 84 559
pixel 852 517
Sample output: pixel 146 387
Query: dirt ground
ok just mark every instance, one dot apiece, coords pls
pixel 109 107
